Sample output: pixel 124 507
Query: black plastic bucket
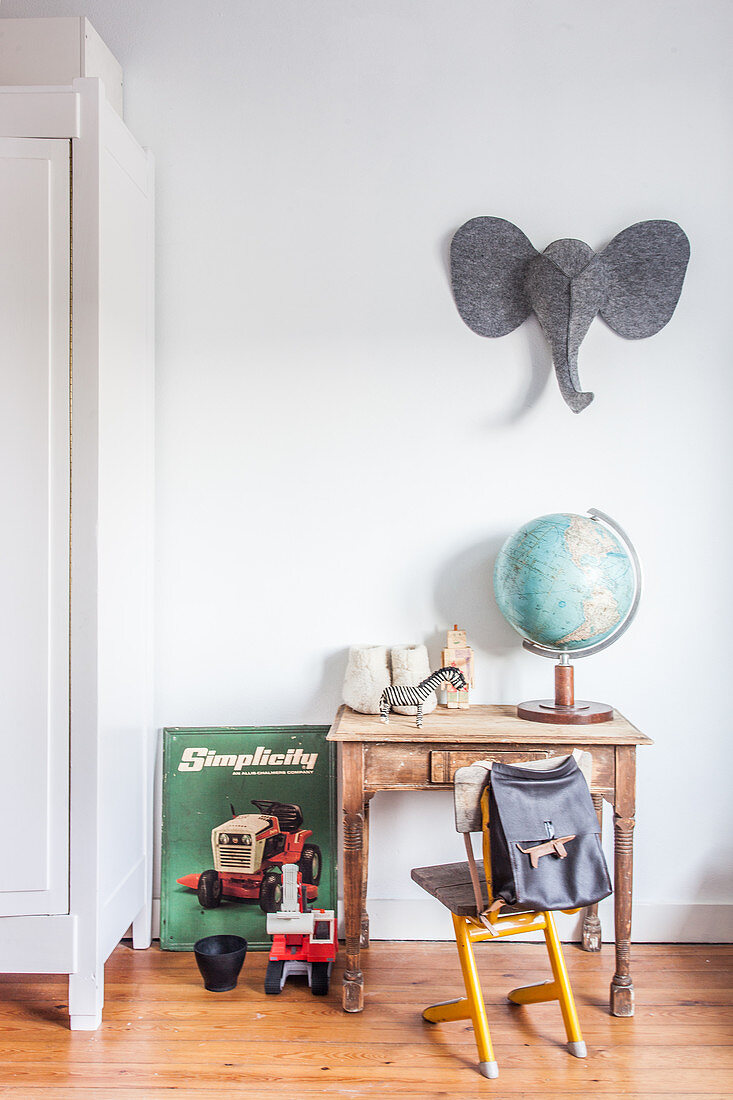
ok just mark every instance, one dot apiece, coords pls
pixel 220 958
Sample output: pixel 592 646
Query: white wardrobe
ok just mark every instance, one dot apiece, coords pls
pixel 76 497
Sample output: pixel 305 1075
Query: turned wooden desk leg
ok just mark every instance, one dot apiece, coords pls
pixel 364 928
pixel 352 763
pixel 622 987
pixel 591 923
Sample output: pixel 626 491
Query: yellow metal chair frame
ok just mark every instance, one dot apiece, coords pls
pixel 491 925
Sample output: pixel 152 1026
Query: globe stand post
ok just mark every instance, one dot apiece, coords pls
pixel 563 709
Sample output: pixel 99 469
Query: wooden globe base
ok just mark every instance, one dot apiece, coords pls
pixel 580 713
pixel 563 709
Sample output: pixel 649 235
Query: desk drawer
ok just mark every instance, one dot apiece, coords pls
pixel 420 767
pixel 445 762
pixel 396 767
pixel 416 767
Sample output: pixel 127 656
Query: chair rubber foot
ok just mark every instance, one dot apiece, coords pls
pixel 578 1050
pixel 488 1069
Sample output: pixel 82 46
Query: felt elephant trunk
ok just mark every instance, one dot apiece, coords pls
pixel 499 278
pixel 565 288
pixel 566 372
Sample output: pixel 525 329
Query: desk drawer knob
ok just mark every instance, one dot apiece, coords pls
pixel 440 766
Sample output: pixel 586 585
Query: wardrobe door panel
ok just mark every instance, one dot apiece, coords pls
pixel 34 505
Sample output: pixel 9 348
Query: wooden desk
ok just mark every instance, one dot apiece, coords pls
pixel 399 757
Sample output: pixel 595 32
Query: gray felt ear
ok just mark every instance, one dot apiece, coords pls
pixel 488 259
pixel 644 268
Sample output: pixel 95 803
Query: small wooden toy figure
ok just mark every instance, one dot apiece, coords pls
pixel 458 654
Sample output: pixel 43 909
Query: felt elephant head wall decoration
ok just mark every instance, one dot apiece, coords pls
pixel 634 283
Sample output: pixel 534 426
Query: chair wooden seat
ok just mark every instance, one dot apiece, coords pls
pixel 450 883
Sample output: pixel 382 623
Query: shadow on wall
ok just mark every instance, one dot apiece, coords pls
pixel 540 356
pixel 328 695
pixel 464 594
pixel 540 361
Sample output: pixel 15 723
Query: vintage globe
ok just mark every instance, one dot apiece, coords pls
pixel 567 582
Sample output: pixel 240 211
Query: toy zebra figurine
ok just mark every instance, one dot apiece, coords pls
pixel 405 696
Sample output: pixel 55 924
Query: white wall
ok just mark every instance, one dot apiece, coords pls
pixel 339 457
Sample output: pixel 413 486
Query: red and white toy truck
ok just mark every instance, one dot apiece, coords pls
pixel 248 851
pixel 304 940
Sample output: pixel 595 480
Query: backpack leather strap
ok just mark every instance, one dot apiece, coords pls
pixel 473 871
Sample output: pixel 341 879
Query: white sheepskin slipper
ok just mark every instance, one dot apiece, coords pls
pixel 367 675
pixel 410 666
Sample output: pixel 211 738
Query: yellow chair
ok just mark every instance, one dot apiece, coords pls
pixel 467 894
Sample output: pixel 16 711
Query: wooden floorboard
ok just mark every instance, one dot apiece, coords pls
pixel 163 1034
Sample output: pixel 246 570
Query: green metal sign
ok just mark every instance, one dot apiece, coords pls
pixel 238 802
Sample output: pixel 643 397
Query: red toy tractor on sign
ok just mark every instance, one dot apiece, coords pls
pixel 249 850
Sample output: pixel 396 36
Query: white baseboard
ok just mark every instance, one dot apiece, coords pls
pixel 410 919
pixel 415 919
pixel 696 922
